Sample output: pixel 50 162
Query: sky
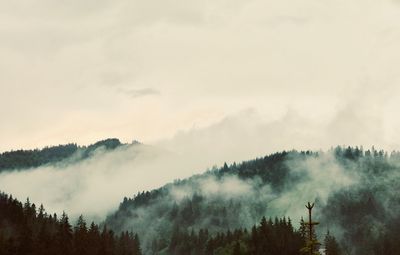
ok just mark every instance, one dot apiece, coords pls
pixel 313 73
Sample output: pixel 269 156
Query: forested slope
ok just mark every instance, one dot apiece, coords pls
pixel 356 192
pixel 236 209
pixel 24 159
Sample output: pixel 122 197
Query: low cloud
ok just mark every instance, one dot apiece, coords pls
pixel 135 93
pixel 96 186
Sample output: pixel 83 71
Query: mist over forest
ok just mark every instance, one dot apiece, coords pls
pixel 199 127
pixel 354 191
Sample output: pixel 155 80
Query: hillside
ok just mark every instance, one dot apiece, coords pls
pixel 253 207
pixel 356 194
pixel 24 159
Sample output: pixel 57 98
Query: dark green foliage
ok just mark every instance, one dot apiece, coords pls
pixel 23 231
pixel 22 159
pixel 268 238
pixel 366 212
pixel 272 169
pixel 331 245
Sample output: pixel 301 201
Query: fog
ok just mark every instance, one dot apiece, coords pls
pixel 94 187
pixel 228 202
pixel 82 71
pixel 199 83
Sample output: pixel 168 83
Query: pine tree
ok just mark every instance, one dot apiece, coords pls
pixel 303 229
pixel 312 244
pixel 236 249
pixel 80 237
pixel 64 236
pixel 41 212
pixel 331 245
pixel 136 247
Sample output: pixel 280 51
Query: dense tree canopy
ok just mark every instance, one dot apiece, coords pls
pixel 23 159
pixel 364 214
pixel 267 238
pixel 215 213
pixel 27 230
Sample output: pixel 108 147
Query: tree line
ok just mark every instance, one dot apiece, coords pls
pixel 23 159
pixel 269 237
pixel 27 230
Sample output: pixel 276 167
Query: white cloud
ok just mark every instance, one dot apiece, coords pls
pixel 65 62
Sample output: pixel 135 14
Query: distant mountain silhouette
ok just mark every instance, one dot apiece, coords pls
pixel 25 159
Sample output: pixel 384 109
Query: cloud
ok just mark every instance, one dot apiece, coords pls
pixel 214 58
pixel 135 93
pixel 96 186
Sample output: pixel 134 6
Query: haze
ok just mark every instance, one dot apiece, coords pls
pixel 80 71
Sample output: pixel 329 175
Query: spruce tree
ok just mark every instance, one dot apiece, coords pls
pixel 331 245
pixel 311 242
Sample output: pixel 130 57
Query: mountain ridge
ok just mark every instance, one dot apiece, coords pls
pixel 25 159
pixel 239 195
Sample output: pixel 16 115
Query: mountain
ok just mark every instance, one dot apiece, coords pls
pixel 24 159
pixel 356 193
pixel 253 207
pixel 26 229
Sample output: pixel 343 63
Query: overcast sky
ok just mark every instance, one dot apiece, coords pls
pixel 80 71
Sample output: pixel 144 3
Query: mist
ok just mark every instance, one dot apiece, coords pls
pixel 94 187
pixel 227 202
pixel 201 84
pixel 126 70
pixel 228 82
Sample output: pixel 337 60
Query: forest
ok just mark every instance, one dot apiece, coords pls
pixel 239 208
pixel 363 215
pixel 25 229
pixel 25 159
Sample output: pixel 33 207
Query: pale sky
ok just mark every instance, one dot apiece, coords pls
pixel 80 71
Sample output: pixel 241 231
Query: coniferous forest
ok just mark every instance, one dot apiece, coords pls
pixel 359 218
pixel 265 127
pixel 26 229
pixel 234 209
pixel 23 159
